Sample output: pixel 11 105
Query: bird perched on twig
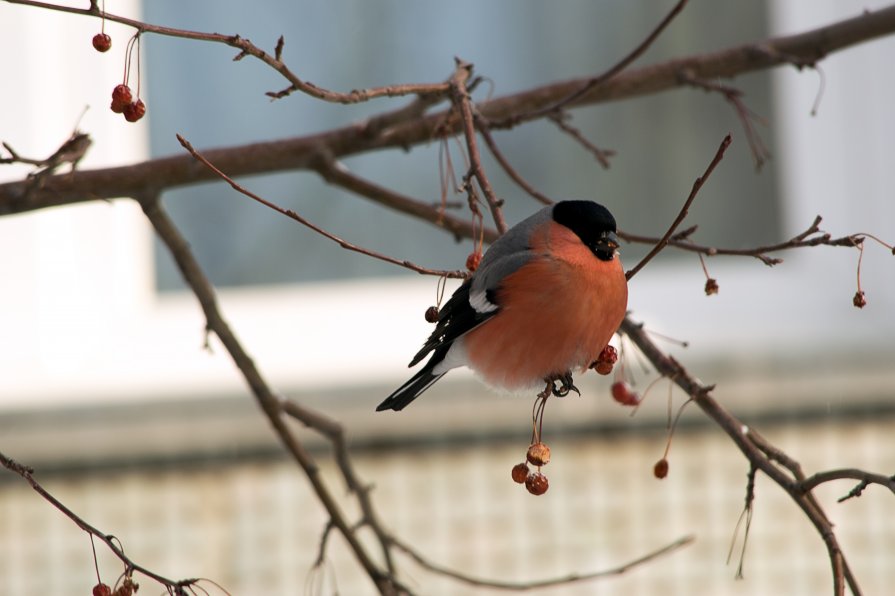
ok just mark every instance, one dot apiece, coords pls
pixel 545 300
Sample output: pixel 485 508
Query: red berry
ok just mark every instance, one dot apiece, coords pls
pixel 711 286
pixel 473 260
pixel 606 360
pixel 121 96
pixel 536 483
pixel 432 314
pixel 134 110
pixel 102 42
pixel 538 454
pixel 102 590
pixel 660 470
pixel 604 368
pixel 520 473
pixel 859 300
pixel 623 394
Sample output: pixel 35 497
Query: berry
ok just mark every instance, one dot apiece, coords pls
pixel 604 368
pixel 711 286
pixel 623 394
pixel 121 97
pixel 432 314
pixel 102 42
pixel 536 483
pixel 606 360
pixel 660 470
pixel 134 110
pixel 473 260
pixel 520 473
pixel 859 301
pixel 538 454
pixel 102 590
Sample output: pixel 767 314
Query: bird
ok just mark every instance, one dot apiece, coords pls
pixel 546 298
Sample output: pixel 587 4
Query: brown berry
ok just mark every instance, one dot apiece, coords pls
pixel 711 286
pixel 623 394
pixel 859 300
pixel 134 110
pixel 121 97
pixel 660 470
pixel 520 473
pixel 473 260
pixel 536 483
pixel 102 589
pixel 432 314
pixel 102 42
pixel 538 454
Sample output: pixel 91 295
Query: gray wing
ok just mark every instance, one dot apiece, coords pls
pixel 508 253
pixel 474 302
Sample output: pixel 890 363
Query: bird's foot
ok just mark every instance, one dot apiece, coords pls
pixel 566 385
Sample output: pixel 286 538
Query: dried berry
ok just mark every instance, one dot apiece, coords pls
pixel 121 97
pixel 432 314
pixel 859 300
pixel 473 260
pixel 536 483
pixel 134 110
pixel 102 589
pixel 623 394
pixel 711 286
pixel 520 473
pixel 538 454
pixel 127 588
pixel 660 470
pixel 102 42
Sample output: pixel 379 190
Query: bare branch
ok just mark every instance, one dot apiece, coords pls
pixel 407 127
pixel 545 583
pixel 268 402
pixel 178 586
pixel 295 216
pixel 247 48
pixel 719 155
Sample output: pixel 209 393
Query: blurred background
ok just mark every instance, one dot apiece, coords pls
pixel 106 390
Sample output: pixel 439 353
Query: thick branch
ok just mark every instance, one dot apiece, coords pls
pixel 269 403
pixel 300 152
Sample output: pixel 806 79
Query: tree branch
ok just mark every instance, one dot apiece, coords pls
pixel 409 128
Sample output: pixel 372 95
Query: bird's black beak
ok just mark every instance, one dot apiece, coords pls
pixel 606 246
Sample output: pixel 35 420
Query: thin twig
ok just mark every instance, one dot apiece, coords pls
pixel 295 216
pixel 247 48
pixel 267 400
pixel 463 102
pixel 523 586
pixel 178 586
pixel 614 70
pixel 719 154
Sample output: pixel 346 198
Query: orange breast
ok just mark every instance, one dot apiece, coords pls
pixel 557 314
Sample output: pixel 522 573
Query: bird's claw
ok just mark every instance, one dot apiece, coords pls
pixel 566 385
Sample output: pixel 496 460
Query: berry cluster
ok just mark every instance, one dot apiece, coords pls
pixel 123 101
pixel 127 588
pixel 535 482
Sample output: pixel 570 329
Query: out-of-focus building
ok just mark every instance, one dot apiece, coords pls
pixel 107 390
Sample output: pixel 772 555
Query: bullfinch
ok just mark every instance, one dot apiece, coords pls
pixel 545 300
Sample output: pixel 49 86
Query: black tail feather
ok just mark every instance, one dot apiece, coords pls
pixel 410 390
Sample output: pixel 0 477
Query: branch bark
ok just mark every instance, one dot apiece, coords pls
pixel 406 127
